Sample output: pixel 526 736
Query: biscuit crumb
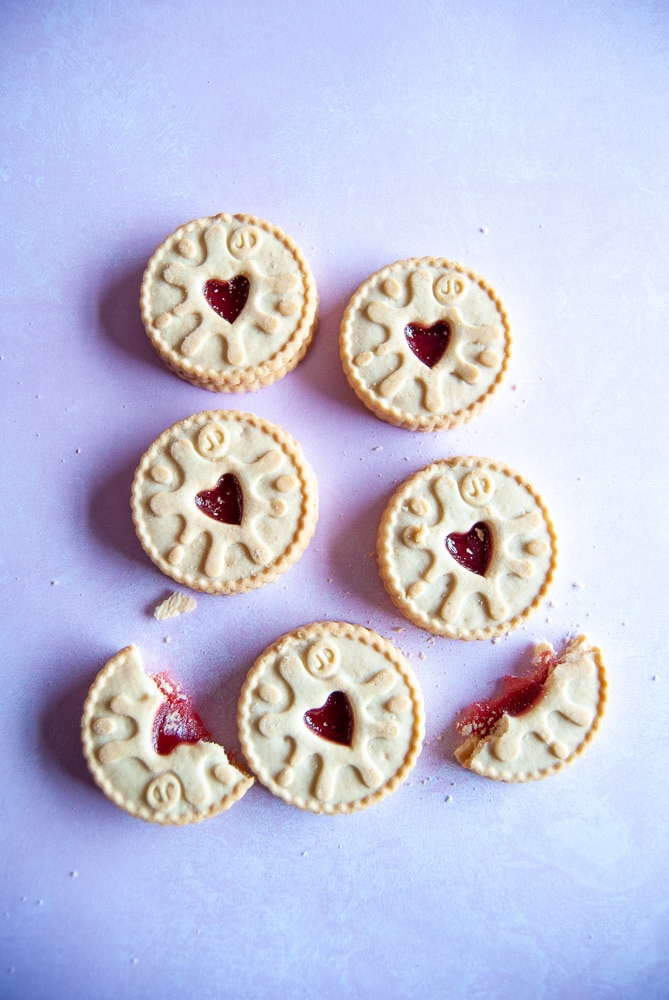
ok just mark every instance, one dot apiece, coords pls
pixel 176 604
pixel 577 585
pixel 449 798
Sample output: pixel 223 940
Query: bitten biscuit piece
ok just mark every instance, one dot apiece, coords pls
pixel 331 718
pixel 541 722
pixel 150 752
pixel 425 343
pixel 466 548
pixel 175 605
pixel 224 502
pixel 229 303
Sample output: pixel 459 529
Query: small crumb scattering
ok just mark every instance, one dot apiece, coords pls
pixel 577 585
pixel 176 604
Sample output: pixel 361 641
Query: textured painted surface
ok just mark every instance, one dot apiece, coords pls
pixel 529 142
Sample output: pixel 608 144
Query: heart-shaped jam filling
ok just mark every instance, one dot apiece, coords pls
pixel 227 298
pixel 428 342
pixel 225 502
pixel 176 720
pixel 473 550
pixel 334 720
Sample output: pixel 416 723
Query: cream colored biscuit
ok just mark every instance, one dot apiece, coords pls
pixel 466 548
pixel 224 502
pixel 331 718
pixel 191 783
pixel 554 730
pixel 229 302
pixel 175 605
pixel 425 343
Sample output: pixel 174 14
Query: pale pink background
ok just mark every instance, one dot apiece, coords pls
pixel 526 140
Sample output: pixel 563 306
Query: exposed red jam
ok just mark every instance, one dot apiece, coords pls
pixel 334 720
pixel 428 342
pixel 473 550
pixel 176 720
pixel 519 694
pixel 225 502
pixel 227 298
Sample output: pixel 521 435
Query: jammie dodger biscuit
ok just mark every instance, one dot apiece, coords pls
pixel 331 718
pixel 224 502
pixel 229 303
pixel 424 343
pixel 466 548
pixel 149 751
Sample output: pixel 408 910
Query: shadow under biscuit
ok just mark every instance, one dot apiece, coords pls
pixel 109 516
pixel 120 318
pixel 60 724
pixel 353 555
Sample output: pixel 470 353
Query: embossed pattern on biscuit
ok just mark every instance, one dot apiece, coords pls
pixel 433 530
pixel 224 501
pixel 331 718
pixel 556 727
pixel 229 302
pixel 192 782
pixel 424 343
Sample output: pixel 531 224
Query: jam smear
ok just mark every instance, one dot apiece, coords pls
pixel 227 298
pixel 334 720
pixel 473 550
pixel 225 502
pixel 519 695
pixel 176 720
pixel 428 343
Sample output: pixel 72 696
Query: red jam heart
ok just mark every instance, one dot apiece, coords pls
pixel 334 720
pixel 428 342
pixel 225 502
pixel 472 550
pixel 227 298
pixel 519 694
pixel 176 720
